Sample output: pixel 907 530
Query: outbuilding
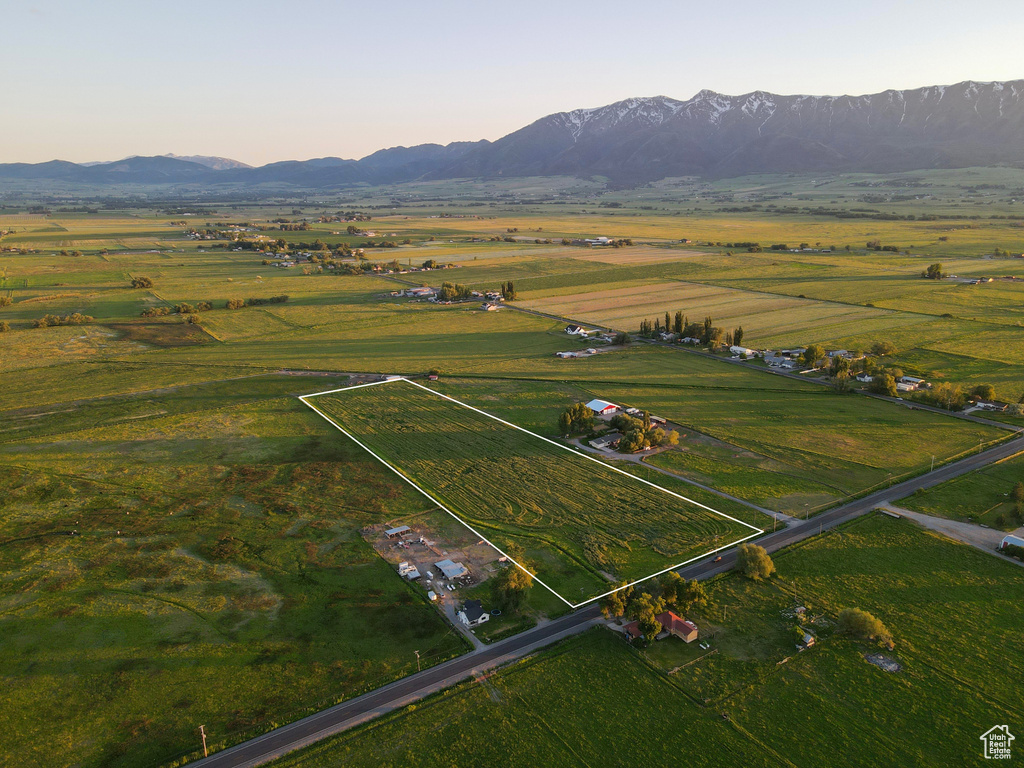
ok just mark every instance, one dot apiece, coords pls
pixel 394 533
pixel 602 407
pixel 1010 540
pixel 451 570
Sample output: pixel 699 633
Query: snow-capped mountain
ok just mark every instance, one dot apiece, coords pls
pixel 715 134
pixel 641 139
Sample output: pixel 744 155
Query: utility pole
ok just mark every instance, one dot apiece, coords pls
pixel 202 732
pixel 417 660
pixel 933 464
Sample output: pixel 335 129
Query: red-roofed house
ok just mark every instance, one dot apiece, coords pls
pixel 671 624
pixel 681 628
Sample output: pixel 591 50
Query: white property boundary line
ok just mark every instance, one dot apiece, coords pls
pixel 305 400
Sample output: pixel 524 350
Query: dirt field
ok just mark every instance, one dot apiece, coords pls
pixel 435 536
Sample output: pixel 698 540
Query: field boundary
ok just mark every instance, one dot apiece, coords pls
pixel 305 400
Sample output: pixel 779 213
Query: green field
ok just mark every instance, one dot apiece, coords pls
pixel 216 548
pixel 581 524
pixel 982 496
pixel 593 700
pixel 219 575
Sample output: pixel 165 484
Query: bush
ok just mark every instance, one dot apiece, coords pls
pixel 75 318
pixel 754 562
pixel 863 626
pixel 271 300
pixel 235 303
pixel 141 282
pixel 156 311
pixel 6 301
pixel 4 326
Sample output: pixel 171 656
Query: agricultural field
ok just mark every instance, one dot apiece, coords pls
pixel 983 496
pixel 955 679
pixel 581 525
pixel 219 574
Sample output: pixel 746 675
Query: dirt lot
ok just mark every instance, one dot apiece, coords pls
pixel 436 536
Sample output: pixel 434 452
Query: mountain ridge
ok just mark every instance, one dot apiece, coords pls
pixel 646 138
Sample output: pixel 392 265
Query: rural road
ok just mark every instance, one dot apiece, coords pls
pixel 348 714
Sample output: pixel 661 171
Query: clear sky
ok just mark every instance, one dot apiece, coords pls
pixel 263 81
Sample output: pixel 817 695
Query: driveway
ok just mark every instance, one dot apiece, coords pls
pixel 987 539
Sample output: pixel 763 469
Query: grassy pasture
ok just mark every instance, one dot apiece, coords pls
pixel 586 523
pixel 217 575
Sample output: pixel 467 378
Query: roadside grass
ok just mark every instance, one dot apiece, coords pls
pixel 589 701
pixel 982 496
pixel 593 525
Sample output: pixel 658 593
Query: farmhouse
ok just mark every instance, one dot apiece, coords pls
pixel 991 405
pixel 865 378
pixel 606 442
pixel 674 625
pixel 575 330
pixel 671 624
pixel 451 570
pixel 473 613
pixel 602 407
pixel 394 533
pixel 488 307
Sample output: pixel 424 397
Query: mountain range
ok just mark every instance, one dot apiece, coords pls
pixel 643 139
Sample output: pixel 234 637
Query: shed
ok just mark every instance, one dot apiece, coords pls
pixel 393 533
pixel 1010 540
pixel 451 570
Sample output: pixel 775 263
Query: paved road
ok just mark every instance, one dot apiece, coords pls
pixel 316 727
pixel 339 718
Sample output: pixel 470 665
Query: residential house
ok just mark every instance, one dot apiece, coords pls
pixel 473 614
pixel 567 354
pixel 679 627
pixel 991 405
pixel 743 351
pixel 606 442
pixel 864 378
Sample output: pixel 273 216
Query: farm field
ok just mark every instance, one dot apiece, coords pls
pixel 983 496
pixel 928 713
pixel 217 574
pixel 581 525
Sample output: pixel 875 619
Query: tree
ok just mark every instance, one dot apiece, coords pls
pixel 812 354
pixel 838 366
pixel 883 384
pixel 754 562
pixel 633 441
pixel 948 396
pixel 678 323
pixel 141 282
pixel 614 605
pixel 737 336
pixel 509 587
pixel 235 303
pixel 4 326
pixel 984 392
pixel 576 418
pixel 863 626
pixel 933 272
pixel 883 348
pixel 682 594
pixel 649 625
pixel 622 338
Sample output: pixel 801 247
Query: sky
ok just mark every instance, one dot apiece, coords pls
pixel 263 81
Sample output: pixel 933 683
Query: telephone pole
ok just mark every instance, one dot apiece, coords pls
pixel 417 660
pixel 202 732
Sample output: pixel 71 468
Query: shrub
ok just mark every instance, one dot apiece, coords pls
pixel 75 318
pixel 141 282
pixel 235 303
pixel 6 301
pixel 863 626
pixel 4 326
pixel 156 311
